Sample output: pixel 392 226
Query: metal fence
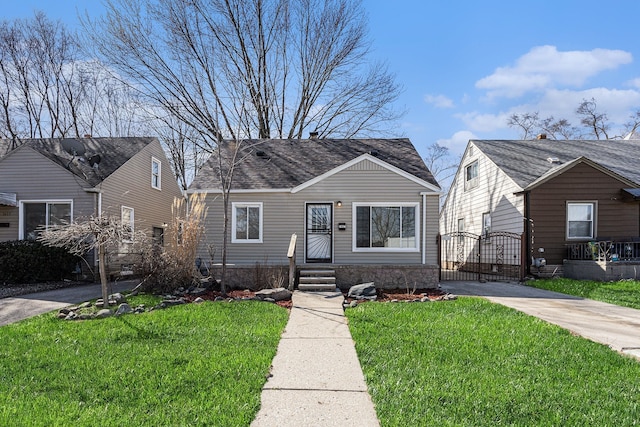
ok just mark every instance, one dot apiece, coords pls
pixel 494 256
pixel 604 250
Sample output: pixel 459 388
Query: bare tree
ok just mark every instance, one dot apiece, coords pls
pixel 528 123
pixel 99 232
pixel 597 123
pixel 440 162
pixel 294 65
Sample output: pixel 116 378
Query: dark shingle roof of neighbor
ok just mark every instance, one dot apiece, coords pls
pixel 113 152
pixel 287 163
pixel 526 160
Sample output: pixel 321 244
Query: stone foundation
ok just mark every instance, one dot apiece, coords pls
pixel 605 271
pixel 384 276
pixel 388 276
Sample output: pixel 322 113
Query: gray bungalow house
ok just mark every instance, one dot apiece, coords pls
pixel 365 210
pixel 576 202
pixel 46 181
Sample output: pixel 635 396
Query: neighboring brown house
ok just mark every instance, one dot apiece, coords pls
pixel 47 181
pixel 366 209
pixel 560 194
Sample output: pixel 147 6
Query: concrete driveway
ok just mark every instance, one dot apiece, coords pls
pixel 15 309
pixel 612 325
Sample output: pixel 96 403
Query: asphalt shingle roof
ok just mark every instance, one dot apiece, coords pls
pixel 286 163
pixel 113 152
pixel 526 160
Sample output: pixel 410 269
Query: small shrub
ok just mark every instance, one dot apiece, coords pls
pixel 28 261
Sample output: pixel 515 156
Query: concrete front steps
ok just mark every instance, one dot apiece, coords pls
pixel 323 280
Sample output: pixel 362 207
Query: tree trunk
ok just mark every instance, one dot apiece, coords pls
pixel 103 275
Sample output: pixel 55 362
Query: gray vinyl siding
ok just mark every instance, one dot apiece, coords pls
pixel 131 186
pixel 284 214
pixel 34 177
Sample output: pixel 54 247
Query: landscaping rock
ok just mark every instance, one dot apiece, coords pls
pixel 71 316
pixel 198 300
pixel 105 312
pixel 362 290
pixel 117 298
pixel 353 304
pixel 65 311
pixel 269 300
pixel 198 291
pixel 139 309
pixel 276 294
pixel 84 305
pixel 425 299
pixel 124 308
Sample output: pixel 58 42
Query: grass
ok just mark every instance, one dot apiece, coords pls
pixel 625 293
pixel 473 363
pixel 196 364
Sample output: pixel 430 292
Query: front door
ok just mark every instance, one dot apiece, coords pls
pixel 319 232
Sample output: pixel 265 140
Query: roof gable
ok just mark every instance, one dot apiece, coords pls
pixel 268 164
pixel 559 170
pixel 526 161
pixel 360 159
pixel 113 152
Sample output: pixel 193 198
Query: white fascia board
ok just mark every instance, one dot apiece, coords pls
pixel 373 159
pixel 240 191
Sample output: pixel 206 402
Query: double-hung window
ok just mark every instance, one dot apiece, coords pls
pixel 36 216
pixel 246 223
pixel 471 175
pixel 580 220
pixel 386 227
pixel 156 170
pixel 127 222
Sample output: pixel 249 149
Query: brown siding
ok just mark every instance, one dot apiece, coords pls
pixel 614 219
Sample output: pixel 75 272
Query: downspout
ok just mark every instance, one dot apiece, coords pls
pixel 527 230
pixel 424 228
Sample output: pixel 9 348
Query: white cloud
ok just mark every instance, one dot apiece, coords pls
pixel 439 101
pixel 545 67
pixel 483 122
pixel 458 142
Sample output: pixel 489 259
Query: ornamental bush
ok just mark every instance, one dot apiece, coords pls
pixel 28 261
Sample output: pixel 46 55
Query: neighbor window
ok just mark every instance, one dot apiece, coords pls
pixel 580 220
pixel 460 230
pixel 471 176
pixel 155 173
pixel 127 222
pixel 37 216
pixel 382 227
pixel 486 225
pixel 247 223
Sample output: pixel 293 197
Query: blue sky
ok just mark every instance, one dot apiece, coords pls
pixel 465 66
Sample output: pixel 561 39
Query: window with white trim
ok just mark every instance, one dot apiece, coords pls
pixel 156 170
pixel 384 227
pixel 486 226
pixel 127 222
pixel 580 220
pixel 246 223
pixel 471 175
pixel 460 230
pixel 37 216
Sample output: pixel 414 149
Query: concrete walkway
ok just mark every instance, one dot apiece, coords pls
pixel 14 309
pixel 316 376
pixel 612 325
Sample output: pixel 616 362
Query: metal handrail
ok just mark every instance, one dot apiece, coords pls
pixel 604 250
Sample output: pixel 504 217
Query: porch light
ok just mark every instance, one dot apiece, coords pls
pixel 339 203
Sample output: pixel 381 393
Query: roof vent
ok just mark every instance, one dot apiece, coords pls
pixel 374 153
pixel 541 136
pixel 313 135
pixel 553 160
pixel 262 154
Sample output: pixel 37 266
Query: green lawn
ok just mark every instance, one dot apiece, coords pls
pixel 473 363
pixel 625 293
pixel 196 364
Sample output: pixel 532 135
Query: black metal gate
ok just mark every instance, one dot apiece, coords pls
pixel 493 256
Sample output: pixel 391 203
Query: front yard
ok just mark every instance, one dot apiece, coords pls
pixel 473 363
pixel 195 364
pixel 625 293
